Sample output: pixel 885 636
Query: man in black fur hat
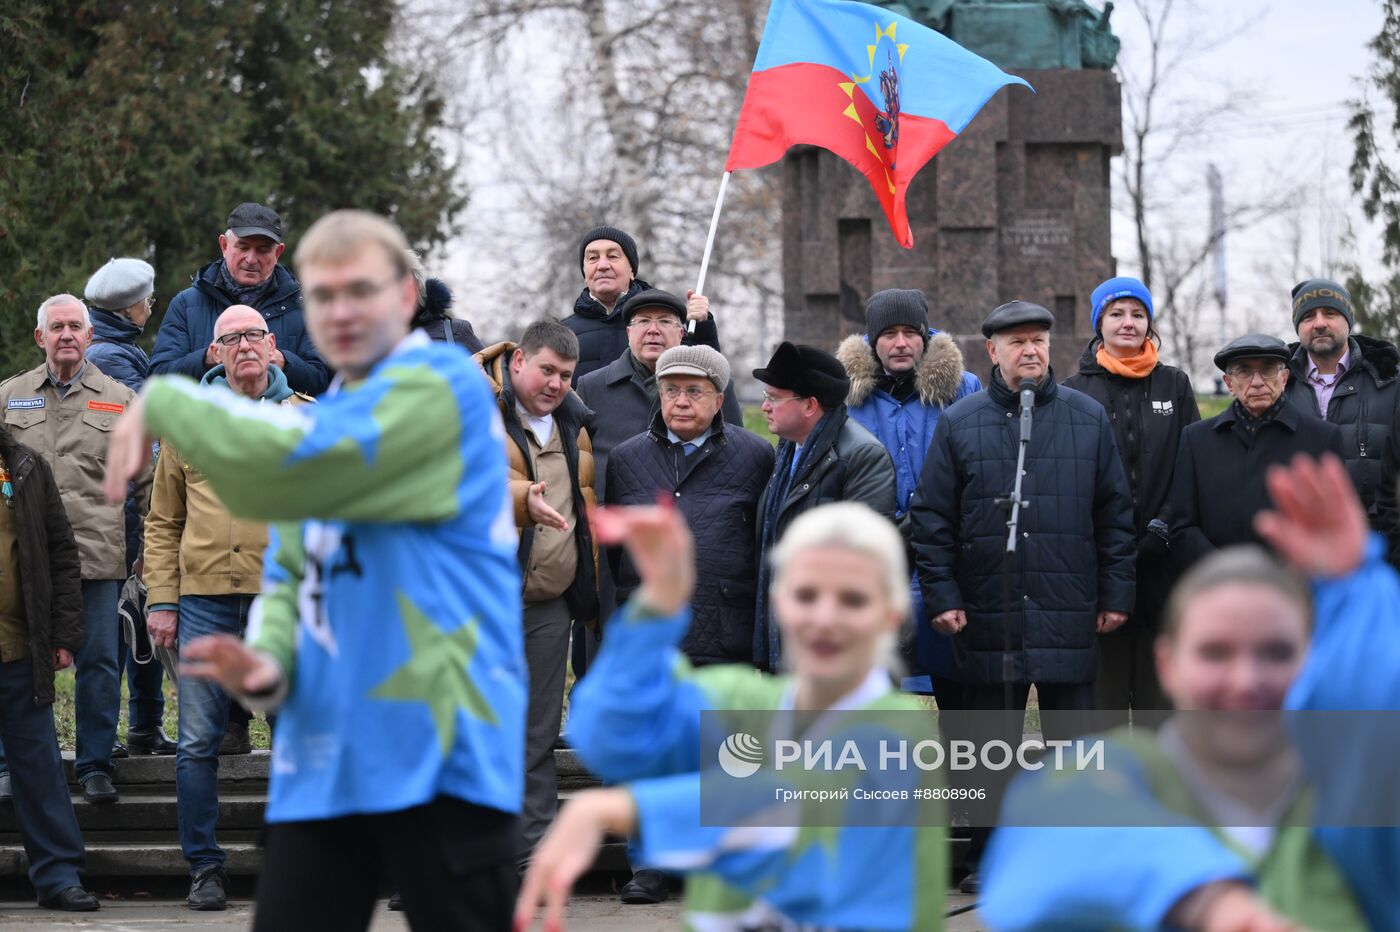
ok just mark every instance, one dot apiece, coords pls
pixel 823 456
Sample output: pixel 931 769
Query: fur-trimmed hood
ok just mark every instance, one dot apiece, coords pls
pixel 938 376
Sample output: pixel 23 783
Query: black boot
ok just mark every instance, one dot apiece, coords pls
pixel 645 887
pixel 72 900
pixel 98 789
pixel 209 890
pixel 149 741
pixel 236 740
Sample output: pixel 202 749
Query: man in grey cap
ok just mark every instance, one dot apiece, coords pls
pixel 714 470
pixel 247 273
pixel 1218 484
pixel 1072 576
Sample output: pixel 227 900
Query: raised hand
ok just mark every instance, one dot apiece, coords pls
pixel 1317 523
pixel 661 548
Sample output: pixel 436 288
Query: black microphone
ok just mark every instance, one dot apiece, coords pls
pixel 1027 406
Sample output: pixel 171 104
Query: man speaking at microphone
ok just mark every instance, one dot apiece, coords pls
pixel 1071 577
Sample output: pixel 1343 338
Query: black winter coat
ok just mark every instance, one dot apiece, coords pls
pixel 602 337
pixel 1075 557
pixel 622 410
pixel 1218 484
pixel 1363 404
pixel 50 574
pixel 717 489
pixel 1147 417
pixel 841 462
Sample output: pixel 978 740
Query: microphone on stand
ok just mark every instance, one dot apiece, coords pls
pixel 1027 407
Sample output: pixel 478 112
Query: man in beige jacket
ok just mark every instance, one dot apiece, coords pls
pixel 551 484
pixel 203 568
pixel 64 409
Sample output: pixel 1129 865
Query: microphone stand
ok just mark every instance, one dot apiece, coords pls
pixel 1014 503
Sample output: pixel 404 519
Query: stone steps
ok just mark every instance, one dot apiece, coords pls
pixel 138 835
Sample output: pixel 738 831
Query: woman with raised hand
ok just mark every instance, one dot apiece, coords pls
pixel 840 591
pixel 1218 822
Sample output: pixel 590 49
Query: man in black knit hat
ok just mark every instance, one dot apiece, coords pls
pixel 608 259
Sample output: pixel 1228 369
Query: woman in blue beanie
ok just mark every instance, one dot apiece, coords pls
pixel 1149 404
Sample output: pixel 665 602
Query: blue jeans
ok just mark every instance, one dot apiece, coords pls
pixel 145 705
pixel 99 688
pixel 203 718
pixel 43 809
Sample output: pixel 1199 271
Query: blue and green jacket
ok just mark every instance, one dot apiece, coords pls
pixel 1325 877
pixel 391 596
pixel 637 718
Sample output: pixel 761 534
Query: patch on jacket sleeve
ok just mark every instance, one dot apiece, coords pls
pixel 110 407
pixel 25 402
pixel 1161 407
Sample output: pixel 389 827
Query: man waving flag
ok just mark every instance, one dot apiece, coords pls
pixel 883 92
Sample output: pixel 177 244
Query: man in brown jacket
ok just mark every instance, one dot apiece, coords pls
pixel 203 568
pixel 551 482
pixel 64 410
pixel 41 627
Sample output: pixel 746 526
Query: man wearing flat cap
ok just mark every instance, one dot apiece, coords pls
pixel 1346 379
pixel 823 456
pixel 1218 484
pixel 715 472
pixel 610 263
pixel 1072 576
pixel 247 273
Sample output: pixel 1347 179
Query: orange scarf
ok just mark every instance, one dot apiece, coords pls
pixel 1134 367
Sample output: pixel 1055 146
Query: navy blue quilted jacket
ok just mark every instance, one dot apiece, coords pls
pixel 717 489
pixel 1075 558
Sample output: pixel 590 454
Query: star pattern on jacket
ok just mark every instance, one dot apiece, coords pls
pixel 435 673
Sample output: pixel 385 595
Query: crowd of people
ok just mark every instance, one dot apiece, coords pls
pixel 346 512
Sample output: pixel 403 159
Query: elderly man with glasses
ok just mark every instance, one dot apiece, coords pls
pixel 715 472
pixel 1218 485
pixel 203 569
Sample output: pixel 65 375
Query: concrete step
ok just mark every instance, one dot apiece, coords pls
pixel 149 812
pixel 234 771
pixel 138 835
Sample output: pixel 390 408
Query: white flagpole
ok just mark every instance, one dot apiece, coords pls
pixel 709 242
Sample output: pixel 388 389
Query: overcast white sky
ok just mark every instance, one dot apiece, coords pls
pixel 1300 63
pixel 1298 60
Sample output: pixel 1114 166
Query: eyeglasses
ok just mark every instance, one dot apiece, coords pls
pixel 1246 374
pixel 357 293
pixel 252 336
pixel 693 393
pixel 665 323
pixel 774 402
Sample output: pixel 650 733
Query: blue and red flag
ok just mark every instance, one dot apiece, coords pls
pixel 883 92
